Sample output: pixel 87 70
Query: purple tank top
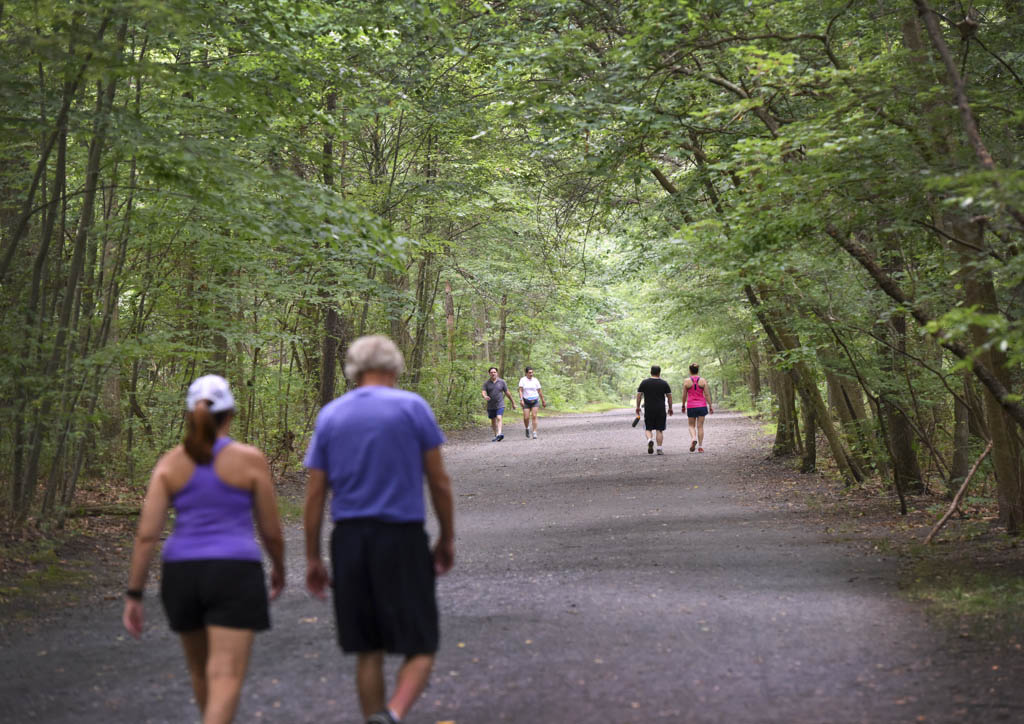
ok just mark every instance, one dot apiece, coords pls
pixel 214 519
pixel 695 395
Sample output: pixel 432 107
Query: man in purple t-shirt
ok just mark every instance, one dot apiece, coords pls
pixel 372 447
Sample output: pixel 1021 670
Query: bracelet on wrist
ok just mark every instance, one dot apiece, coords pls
pixel 133 593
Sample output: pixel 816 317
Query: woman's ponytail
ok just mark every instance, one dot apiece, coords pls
pixel 200 433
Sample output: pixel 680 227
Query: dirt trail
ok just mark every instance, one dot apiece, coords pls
pixel 593 583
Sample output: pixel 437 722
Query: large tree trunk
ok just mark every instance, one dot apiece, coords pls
pixel 786 428
pixel 906 468
pixel 979 291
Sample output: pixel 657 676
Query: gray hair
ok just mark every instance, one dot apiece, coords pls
pixel 373 352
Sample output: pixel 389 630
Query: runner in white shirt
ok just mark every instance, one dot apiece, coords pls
pixel 529 394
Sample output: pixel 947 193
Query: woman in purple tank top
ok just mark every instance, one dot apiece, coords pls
pixel 697 400
pixel 212 588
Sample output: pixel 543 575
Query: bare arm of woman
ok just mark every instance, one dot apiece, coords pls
pixel 707 395
pixel 268 522
pixel 151 524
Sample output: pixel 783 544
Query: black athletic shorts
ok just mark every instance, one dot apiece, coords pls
pixel 219 592
pixel 696 411
pixel 654 421
pixel 527 404
pixel 384 587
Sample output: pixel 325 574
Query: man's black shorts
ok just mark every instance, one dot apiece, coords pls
pixel 654 421
pixel 217 592
pixel 384 587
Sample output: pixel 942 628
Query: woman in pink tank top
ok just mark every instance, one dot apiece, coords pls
pixel 698 405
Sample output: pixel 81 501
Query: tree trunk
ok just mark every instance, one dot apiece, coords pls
pixel 502 328
pixel 979 291
pixel 449 318
pixel 809 462
pixel 786 427
pixel 961 443
pixel 754 376
pixel 426 293
pixel 806 386
pixel 905 465
pixel 333 336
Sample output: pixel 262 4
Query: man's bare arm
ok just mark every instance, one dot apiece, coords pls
pixel 317 579
pixel 440 486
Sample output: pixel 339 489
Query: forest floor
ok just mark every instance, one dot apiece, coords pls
pixel 593 582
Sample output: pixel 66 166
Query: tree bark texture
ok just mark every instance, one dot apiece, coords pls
pixel 806 387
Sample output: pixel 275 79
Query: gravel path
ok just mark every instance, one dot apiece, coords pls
pixel 593 583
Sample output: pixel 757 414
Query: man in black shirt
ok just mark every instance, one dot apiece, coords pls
pixel 654 391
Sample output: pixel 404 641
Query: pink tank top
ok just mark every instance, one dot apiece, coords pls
pixel 695 395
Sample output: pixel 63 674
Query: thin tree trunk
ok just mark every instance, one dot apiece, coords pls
pixel 961 443
pixel 754 376
pixel 449 318
pixel 502 328
pixel 809 462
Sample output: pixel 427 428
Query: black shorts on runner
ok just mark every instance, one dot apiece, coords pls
pixel 218 592
pixel 384 587
pixel 655 421
pixel 527 404
pixel 696 412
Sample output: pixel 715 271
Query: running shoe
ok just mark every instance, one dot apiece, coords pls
pixel 693 446
pixel 500 437
pixel 535 435
pixel 381 717
pixel 660 452
pixel 650 447
pixel 700 449
pixel 494 439
pixel 527 433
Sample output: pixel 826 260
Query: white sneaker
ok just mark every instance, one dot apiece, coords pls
pixel 534 434
pixel 660 452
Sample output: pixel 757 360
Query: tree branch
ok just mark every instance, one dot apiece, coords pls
pixel 959 495
pixel 960 94
pixel 888 285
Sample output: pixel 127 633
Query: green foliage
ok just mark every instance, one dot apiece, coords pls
pixel 586 187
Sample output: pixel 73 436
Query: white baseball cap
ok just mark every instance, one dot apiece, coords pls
pixel 212 388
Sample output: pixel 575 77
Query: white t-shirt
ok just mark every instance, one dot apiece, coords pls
pixel 530 385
